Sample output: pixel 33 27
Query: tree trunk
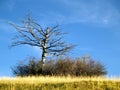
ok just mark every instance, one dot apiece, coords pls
pixel 43 56
pixel 44 52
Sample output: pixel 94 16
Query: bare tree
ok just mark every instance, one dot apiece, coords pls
pixel 49 40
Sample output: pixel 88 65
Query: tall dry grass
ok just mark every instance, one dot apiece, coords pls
pixel 59 83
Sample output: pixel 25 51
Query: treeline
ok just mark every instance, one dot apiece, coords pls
pixel 62 66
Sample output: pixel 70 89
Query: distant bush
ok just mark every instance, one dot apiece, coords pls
pixel 88 67
pixel 28 67
pixel 62 66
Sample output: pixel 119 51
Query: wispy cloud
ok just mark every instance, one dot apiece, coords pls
pixel 5 27
pixel 7 5
pixel 11 4
pixel 99 12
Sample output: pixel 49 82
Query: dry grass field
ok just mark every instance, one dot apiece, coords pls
pixel 59 83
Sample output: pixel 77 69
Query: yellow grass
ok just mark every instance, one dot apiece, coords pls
pixel 59 83
pixel 55 79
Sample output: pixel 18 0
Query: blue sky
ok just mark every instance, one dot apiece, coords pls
pixel 93 25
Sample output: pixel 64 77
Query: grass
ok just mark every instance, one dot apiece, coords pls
pixel 59 83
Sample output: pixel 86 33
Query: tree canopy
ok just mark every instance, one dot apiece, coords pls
pixel 49 40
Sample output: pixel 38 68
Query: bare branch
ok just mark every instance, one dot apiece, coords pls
pixel 38 28
pixel 48 39
pixel 24 42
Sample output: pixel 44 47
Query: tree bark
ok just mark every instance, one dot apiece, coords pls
pixel 43 56
pixel 44 46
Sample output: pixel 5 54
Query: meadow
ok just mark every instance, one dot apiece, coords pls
pixel 59 83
